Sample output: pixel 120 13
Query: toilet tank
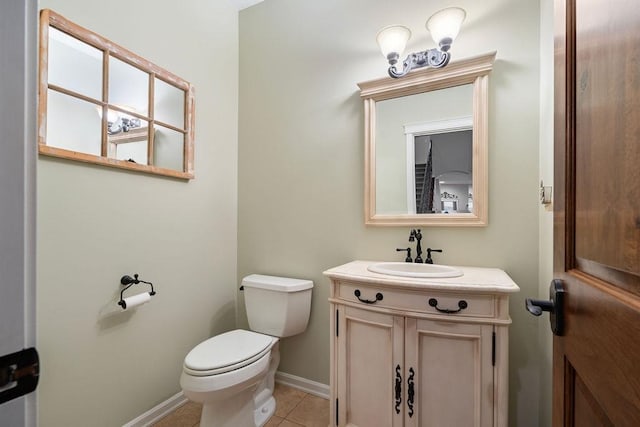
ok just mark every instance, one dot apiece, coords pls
pixel 277 306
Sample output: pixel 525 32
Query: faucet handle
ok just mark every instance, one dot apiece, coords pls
pixel 408 250
pixel 429 250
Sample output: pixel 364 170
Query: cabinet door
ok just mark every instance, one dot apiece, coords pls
pixel 450 371
pixel 370 356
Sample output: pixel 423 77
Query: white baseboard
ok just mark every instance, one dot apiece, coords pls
pixel 308 386
pixel 163 409
pixel 159 411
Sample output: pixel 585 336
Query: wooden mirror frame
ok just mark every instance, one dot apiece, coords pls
pixel 473 71
pixel 49 18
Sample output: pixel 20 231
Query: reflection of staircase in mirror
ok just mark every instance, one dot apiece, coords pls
pixel 420 173
pixel 424 188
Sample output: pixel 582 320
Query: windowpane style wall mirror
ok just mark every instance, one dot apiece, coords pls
pixel 426 146
pixel 100 103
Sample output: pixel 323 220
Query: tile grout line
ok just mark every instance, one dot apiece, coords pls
pixel 286 418
pixel 304 395
pixel 198 423
pixel 297 404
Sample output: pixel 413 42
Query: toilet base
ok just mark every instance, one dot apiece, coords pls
pixel 264 402
pixel 250 404
pixel 236 412
pixel 262 414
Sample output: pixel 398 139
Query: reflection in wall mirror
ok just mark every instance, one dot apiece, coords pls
pixel 168 107
pixel 168 148
pixel 100 103
pixel 426 140
pixel 128 86
pixel 72 124
pixel 441 173
pixel 87 61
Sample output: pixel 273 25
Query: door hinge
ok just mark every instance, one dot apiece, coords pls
pixel 337 322
pixel 337 412
pixel 19 373
pixel 493 349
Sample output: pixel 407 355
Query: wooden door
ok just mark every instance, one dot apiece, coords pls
pixel 596 365
pixel 370 349
pixel 450 368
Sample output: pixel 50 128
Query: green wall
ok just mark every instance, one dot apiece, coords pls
pixel 278 190
pixel 545 236
pixel 102 366
pixel 301 158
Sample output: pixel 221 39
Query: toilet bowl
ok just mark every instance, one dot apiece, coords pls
pixel 224 372
pixel 232 374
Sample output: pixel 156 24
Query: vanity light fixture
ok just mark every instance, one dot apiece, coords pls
pixel 118 121
pixel 443 25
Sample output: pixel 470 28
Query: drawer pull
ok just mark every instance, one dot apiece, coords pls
pixel 367 301
pixel 462 304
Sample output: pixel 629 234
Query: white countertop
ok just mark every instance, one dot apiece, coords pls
pixel 476 279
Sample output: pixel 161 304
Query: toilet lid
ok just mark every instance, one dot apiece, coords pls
pixel 226 350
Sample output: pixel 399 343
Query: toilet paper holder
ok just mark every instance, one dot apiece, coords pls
pixel 128 281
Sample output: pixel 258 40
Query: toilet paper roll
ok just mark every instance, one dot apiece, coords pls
pixel 136 300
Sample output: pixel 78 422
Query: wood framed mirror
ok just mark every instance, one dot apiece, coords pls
pixel 426 146
pixel 101 103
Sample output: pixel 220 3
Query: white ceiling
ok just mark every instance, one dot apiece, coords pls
pixel 243 4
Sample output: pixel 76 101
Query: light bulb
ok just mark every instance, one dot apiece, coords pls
pixel 392 40
pixel 444 26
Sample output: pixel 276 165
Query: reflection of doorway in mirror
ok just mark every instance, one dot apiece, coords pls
pixel 456 192
pixel 439 166
pixel 449 206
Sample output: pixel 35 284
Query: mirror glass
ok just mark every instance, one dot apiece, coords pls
pixel 85 77
pixel 98 102
pixel 426 146
pixel 419 144
pixel 73 124
pixel 168 104
pixel 448 188
pixel 127 138
pixel 169 146
pixel 128 87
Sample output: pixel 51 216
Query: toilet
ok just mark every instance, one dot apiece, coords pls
pixel 232 374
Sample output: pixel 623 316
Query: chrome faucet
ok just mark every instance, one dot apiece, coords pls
pixel 417 235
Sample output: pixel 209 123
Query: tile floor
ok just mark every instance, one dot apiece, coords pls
pixel 294 408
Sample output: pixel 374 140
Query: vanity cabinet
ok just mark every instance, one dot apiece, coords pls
pixel 399 358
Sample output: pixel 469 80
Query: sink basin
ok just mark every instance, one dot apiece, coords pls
pixel 408 269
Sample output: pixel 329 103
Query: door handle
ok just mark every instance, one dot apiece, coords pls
pixel 410 391
pixel 398 389
pixel 555 306
pixel 19 374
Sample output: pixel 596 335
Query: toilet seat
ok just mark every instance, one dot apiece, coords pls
pixel 227 352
